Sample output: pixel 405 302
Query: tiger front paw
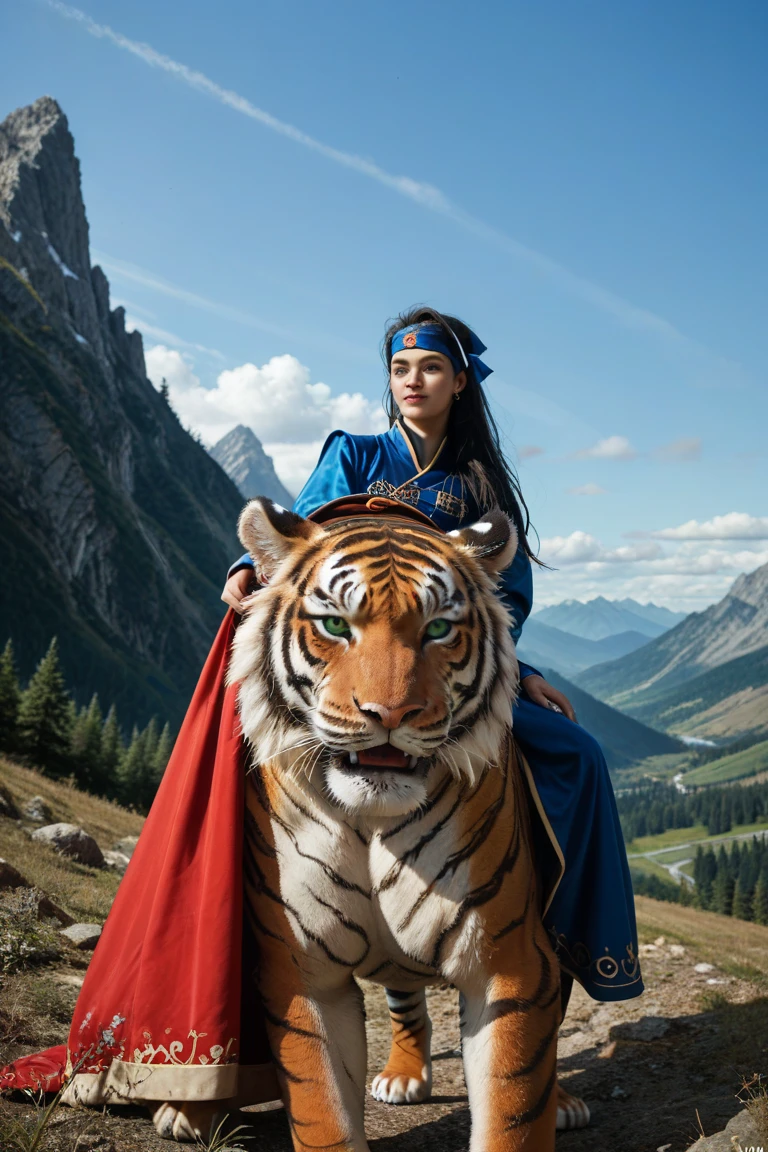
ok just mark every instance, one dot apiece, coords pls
pixel 187 1122
pixel 396 1088
pixel 572 1111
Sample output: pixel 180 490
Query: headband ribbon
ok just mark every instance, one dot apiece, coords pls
pixel 432 338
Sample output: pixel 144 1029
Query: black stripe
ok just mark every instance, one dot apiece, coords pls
pixel 521 1118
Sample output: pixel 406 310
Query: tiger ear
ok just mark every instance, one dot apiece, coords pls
pixel 492 540
pixel 270 532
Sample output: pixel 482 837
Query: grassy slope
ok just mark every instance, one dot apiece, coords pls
pixel 671 706
pixel 733 945
pixel 741 764
pixel 86 893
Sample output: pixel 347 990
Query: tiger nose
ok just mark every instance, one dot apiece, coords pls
pixel 391 717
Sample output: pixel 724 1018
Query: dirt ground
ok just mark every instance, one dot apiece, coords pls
pixel 656 1071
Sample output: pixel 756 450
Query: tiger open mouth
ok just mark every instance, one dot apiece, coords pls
pixel 384 756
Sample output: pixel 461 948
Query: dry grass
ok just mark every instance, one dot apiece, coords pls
pixel 734 945
pixel 102 819
pixel 86 893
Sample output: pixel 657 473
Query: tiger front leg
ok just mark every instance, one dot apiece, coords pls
pixel 318 1046
pixel 407 1075
pixel 509 1048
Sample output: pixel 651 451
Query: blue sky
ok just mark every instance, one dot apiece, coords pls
pixel 584 183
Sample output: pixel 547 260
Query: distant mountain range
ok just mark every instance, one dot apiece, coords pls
pixel 599 618
pixel 244 460
pixel 707 676
pixel 117 526
pixel 573 636
pixel 569 654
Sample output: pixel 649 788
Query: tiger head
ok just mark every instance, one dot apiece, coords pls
pixel 377 651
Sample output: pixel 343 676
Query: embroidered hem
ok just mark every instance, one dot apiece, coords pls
pixel 124 1083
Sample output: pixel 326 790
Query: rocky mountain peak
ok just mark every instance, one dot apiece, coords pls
pixel 752 587
pixel 243 458
pixel 44 248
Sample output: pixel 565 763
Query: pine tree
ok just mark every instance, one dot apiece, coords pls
pixel 742 901
pixel 162 755
pixel 760 900
pixel 722 892
pixel 138 782
pixel 45 717
pixel 111 752
pixel 10 697
pixel 705 877
pixel 85 747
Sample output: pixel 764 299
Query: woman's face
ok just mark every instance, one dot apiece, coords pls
pixel 423 383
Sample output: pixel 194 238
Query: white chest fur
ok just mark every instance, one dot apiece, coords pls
pixel 380 902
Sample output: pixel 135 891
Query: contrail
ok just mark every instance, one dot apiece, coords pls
pixel 423 194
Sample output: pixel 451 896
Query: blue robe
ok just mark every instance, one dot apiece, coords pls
pixel 591 916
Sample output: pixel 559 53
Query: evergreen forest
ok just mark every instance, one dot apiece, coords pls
pixel 42 726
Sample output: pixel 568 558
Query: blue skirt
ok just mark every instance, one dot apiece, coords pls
pixel 591 916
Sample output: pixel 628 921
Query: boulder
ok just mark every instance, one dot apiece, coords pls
pixel 47 910
pixel 83 936
pixel 72 841
pixel 117 860
pixel 739 1134
pixel 126 846
pixel 10 877
pixel 8 804
pixel 37 810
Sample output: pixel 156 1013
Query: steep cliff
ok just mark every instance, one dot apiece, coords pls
pixel 116 526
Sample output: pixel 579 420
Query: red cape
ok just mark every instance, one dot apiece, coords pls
pixel 159 1015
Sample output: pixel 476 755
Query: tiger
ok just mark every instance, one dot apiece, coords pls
pixel 387 831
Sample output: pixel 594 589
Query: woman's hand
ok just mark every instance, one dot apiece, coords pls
pixel 540 691
pixel 238 589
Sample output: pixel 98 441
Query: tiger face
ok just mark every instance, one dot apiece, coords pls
pixel 377 650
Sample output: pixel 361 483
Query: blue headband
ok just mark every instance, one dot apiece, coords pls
pixel 431 337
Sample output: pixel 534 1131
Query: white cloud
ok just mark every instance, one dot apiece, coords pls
pixel 612 448
pixel 683 450
pixel 688 574
pixel 582 548
pixel 731 526
pixel 294 462
pixel 528 451
pixel 168 364
pixel 587 490
pixel 289 414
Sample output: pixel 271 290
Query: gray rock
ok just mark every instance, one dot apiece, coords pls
pixel 117 860
pixel 83 936
pixel 648 1029
pixel 10 877
pixel 47 910
pixel 739 1135
pixel 72 841
pixel 37 810
pixel 244 460
pixel 8 804
pixel 126 846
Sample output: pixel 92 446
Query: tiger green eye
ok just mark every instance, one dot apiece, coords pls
pixel 437 629
pixel 336 626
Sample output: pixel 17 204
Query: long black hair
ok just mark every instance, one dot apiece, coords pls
pixel 472 430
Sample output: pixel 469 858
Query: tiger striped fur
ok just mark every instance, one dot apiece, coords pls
pixel 386 822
